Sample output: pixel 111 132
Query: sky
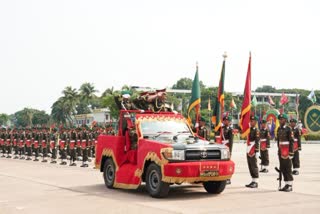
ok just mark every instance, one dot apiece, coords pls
pixel 48 45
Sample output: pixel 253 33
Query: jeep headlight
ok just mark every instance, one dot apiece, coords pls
pixel 170 154
pixel 225 154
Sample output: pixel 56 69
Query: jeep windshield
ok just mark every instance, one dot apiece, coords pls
pixel 169 131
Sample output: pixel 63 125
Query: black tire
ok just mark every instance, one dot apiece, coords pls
pixel 214 187
pixel 155 186
pixel 109 173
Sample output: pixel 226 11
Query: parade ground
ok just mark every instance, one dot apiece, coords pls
pixel 33 187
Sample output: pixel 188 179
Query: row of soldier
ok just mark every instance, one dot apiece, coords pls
pixel 75 144
pixel 288 140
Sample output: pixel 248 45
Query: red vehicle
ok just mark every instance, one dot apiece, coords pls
pixel 160 149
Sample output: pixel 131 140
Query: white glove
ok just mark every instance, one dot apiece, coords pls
pixel 257 155
pixel 196 125
pixel 142 111
pixel 291 157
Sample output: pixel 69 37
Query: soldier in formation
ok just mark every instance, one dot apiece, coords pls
pixel 253 152
pixel 264 146
pixel 39 144
pixel 296 146
pixel 285 143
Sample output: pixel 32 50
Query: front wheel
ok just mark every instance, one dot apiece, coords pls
pixel 109 173
pixel 214 187
pixel 155 186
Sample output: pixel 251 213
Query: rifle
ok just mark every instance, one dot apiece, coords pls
pixel 280 177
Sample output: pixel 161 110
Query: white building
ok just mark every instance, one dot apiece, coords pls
pixel 100 116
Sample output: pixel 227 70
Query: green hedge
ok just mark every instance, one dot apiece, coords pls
pixel 312 137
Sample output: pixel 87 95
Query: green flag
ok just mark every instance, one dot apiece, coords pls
pixel 195 96
pixel 219 107
pixel 254 101
pixel 312 97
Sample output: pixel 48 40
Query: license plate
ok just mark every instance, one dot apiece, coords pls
pixel 209 173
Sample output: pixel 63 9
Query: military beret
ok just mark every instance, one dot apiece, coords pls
pixel 202 119
pixel 293 120
pixel 263 121
pixel 253 117
pixel 126 94
pixel 227 117
pixel 283 116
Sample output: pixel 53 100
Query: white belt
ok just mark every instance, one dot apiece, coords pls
pixel 262 140
pixel 249 147
pixel 295 139
pixel 72 141
pixel 84 140
pixel 224 142
pixel 63 141
pixel 36 141
pixel 284 143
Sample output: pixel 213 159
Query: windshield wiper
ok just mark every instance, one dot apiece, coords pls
pixel 175 138
pixel 161 133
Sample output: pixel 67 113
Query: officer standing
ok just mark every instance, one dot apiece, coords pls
pixel 203 130
pixel 227 135
pixel 264 146
pixel 253 152
pixel 296 146
pixel 285 145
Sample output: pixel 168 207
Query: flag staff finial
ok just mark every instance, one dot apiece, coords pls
pixel 224 55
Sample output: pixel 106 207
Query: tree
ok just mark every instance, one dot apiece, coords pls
pixel 58 111
pixel 87 97
pixel 31 117
pixel 186 84
pixel 4 118
pixel 266 88
pixel 65 107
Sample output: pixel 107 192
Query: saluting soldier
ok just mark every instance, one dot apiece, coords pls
pixel 73 148
pixel 2 142
pixel 264 146
pixel 21 144
pixel 203 130
pixel 9 142
pixel 296 146
pixel 84 143
pixel 37 141
pixel 54 140
pixel 285 145
pixel 63 147
pixel 45 141
pixel 16 139
pixel 29 139
pixel 79 149
pixel 253 152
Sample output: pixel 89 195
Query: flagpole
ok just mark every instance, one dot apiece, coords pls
pixel 222 104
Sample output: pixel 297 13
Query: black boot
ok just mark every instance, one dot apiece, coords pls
pixel 295 172
pixel 286 188
pixel 252 185
pixel 264 170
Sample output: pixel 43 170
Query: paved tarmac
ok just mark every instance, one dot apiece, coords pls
pixel 33 187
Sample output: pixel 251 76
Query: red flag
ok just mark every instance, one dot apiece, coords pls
pixel 246 104
pixel 284 99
